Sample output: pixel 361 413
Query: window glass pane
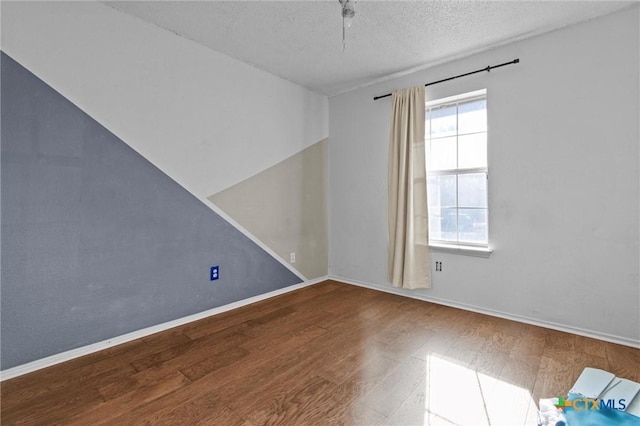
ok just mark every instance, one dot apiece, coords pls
pixel 472 116
pixel 472 151
pixel 472 224
pixel 443 224
pixel 443 121
pixel 456 138
pixel 441 191
pixel 472 190
pixel 442 154
pixel 427 124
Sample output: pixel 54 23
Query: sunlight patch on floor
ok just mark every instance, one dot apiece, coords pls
pixel 456 395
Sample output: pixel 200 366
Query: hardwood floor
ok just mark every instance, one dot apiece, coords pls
pixel 327 354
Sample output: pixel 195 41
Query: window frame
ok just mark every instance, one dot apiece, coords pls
pixel 471 248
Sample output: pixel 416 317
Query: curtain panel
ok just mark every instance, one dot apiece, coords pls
pixel 409 263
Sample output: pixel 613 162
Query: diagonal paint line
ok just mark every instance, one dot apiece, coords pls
pixel 248 234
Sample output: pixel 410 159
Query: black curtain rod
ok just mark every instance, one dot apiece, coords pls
pixel 489 68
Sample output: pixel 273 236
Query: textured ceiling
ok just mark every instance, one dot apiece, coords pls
pixel 302 40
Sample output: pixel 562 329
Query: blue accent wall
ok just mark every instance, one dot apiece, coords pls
pixel 96 241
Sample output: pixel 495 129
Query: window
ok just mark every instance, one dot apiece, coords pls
pixel 457 173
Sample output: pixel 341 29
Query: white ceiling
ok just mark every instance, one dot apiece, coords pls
pixel 301 41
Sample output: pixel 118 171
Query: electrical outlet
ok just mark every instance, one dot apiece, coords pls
pixel 292 257
pixel 438 266
pixel 215 273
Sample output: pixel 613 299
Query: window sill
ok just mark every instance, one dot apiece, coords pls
pixel 464 250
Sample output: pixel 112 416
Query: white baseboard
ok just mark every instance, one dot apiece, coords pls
pixel 95 347
pixel 532 321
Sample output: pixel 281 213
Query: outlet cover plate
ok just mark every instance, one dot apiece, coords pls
pixel 214 273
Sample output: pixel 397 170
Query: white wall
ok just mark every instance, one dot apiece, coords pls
pixel 205 119
pixel 564 180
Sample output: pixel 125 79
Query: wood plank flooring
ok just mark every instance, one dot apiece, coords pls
pixel 330 354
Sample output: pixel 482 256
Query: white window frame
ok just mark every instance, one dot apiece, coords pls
pixel 473 249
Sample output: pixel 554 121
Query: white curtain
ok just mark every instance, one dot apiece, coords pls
pixel 409 263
